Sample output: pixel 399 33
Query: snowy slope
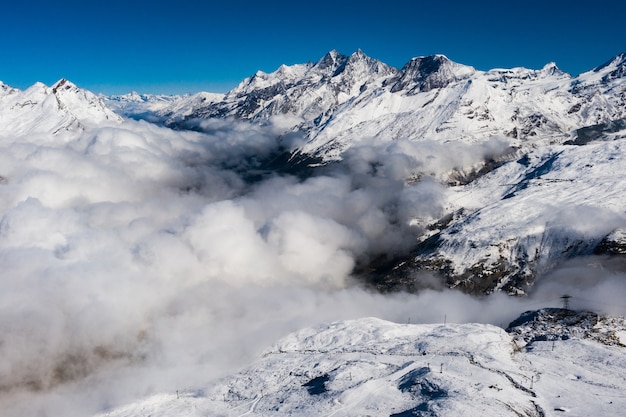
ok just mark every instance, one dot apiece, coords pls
pixel 377 368
pixel 524 218
pixel 43 109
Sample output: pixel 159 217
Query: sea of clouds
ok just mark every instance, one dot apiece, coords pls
pixel 137 259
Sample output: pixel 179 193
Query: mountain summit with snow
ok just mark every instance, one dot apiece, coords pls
pixel 427 73
pixel 42 109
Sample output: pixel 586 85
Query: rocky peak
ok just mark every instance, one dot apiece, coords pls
pixel 63 85
pixel 427 73
pixel 360 62
pixel 331 62
pixel 551 69
pixel 82 104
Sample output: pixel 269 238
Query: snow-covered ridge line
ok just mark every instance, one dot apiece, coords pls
pixel 159 108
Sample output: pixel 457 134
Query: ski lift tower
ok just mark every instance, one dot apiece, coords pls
pixel 565 299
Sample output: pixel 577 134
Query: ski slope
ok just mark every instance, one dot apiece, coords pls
pixel 370 367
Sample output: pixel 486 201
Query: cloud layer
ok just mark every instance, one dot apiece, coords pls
pixel 137 259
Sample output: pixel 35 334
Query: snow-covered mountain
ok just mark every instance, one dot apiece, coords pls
pixel 551 362
pixel 341 101
pixel 43 109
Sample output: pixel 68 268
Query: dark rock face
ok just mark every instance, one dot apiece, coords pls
pixel 554 324
pixel 317 386
pixel 424 74
pixel 587 134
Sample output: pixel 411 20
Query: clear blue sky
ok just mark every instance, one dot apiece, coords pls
pixel 115 46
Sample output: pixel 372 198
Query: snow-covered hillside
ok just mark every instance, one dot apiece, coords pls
pixel 370 367
pixel 525 218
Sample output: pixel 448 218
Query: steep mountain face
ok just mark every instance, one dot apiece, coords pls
pixel 43 109
pixel 423 74
pixel 378 368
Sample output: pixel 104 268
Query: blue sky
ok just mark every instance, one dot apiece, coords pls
pixel 114 46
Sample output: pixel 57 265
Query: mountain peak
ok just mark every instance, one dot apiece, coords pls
pixel 616 61
pixel 615 68
pixel 359 54
pixel 63 84
pixel 425 73
pixel 333 53
pixel 551 69
pixel 332 60
pixel 436 59
pixel 363 65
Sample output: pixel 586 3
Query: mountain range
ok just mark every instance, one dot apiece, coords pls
pixel 340 99
pixel 501 227
pixel 41 109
